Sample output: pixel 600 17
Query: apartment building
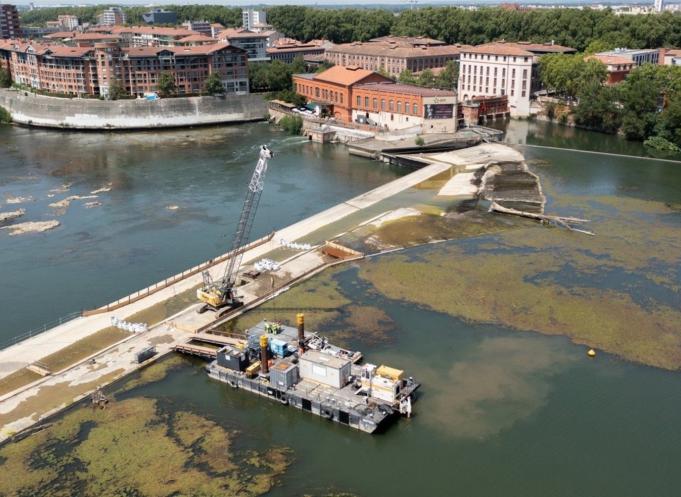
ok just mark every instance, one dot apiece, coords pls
pixel 671 57
pixel 618 67
pixel 255 44
pixel 637 56
pixel 68 22
pixel 253 19
pixel 113 16
pixel 160 16
pixel 9 22
pixel 150 36
pixel 92 70
pixel 504 69
pixel 287 49
pixel 203 27
pixel 394 54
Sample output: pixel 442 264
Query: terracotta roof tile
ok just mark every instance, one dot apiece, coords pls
pixel 405 89
pixel 344 75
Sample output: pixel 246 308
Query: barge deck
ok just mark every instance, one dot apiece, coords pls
pixel 303 370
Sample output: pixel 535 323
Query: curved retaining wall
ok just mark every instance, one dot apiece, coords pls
pixel 53 112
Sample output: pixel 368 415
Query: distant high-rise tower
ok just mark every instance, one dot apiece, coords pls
pixel 253 18
pixel 112 16
pixel 659 5
pixel 9 22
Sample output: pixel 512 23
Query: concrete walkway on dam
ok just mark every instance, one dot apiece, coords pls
pixel 29 404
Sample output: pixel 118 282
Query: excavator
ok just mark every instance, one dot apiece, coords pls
pixel 220 295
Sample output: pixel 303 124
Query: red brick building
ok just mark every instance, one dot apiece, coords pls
pixel 618 67
pixel 62 69
pixel 357 95
pixel 333 88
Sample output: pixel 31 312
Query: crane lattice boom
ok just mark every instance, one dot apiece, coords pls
pixel 221 292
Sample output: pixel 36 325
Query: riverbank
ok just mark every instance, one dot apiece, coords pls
pixel 35 110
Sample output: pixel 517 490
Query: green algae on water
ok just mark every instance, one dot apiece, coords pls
pixel 134 448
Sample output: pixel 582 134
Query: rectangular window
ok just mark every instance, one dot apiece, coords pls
pixel 383 104
pixel 375 104
pixel 391 106
pixel 525 73
pixel 359 101
pixel 415 109
pixel 523 93
pixel 366 102
pixel 399 107
pixel 513 73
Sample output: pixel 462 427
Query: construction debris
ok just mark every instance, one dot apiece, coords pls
pixel 563 221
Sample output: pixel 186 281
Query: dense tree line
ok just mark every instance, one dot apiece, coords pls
pixel 647 104
pixel 228 16
pixel 336 25
pixel 572 27
pixel 586 30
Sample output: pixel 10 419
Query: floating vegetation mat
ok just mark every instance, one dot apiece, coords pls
pixel 618 290
pixel 135 448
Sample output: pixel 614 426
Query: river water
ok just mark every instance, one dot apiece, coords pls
pixel 501 412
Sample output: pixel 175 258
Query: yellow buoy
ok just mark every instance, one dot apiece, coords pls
pixel 591 353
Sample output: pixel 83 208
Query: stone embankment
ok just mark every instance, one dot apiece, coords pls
pixel 91 114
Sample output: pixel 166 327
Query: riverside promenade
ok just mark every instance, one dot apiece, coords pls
pixel 30 403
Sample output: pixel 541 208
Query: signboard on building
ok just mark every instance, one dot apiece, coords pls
pixel 439 111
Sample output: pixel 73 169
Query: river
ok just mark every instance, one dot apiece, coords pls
pixel 502 411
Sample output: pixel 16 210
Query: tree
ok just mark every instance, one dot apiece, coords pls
pixel 669 123
pixel 298 65
pixel 407 77
pixel 448 77
pixel 116 90
pixel 426 78
pixel 271 76
pixel 166 85
pixel 5 78
pixel 639 96
pixel 597 108
pixel 213 85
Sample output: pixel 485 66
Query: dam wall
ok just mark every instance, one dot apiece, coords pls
pixel 92 114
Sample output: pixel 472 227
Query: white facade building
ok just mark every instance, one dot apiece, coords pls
pixel 253 18
pixel 659 5
pixel 637 56
pixel 113 16
pixel 497 69
pixel 68 22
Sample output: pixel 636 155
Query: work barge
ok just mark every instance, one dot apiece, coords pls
pixel 300 369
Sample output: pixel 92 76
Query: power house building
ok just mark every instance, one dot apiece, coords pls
pixel 355 95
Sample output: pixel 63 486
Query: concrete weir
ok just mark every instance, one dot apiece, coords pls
pixel 30 403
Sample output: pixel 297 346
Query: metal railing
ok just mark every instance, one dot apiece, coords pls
pixel 8 342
